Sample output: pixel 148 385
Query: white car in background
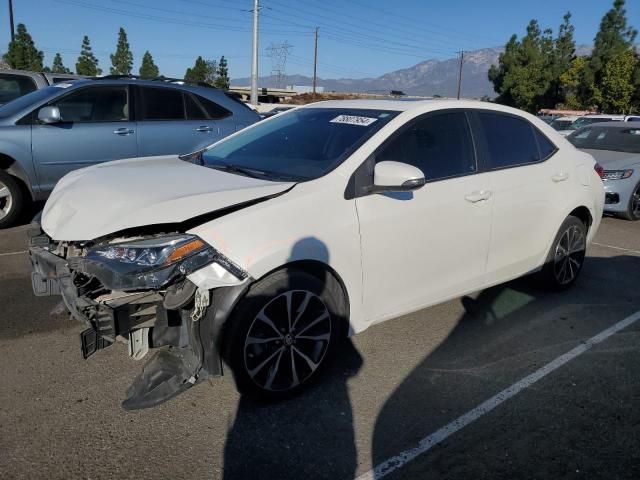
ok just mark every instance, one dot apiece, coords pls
pixel 585 120
pixel 268 247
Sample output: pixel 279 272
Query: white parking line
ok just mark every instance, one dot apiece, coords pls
pixel 13 253
pixel 398 461
pixel 637 252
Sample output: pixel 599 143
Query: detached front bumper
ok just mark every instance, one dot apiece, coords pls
pixel 143 319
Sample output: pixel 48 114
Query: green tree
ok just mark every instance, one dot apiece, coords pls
pixel 58 66
pixel 571 81
pixel 122 60
pixel 200 72
pixel 615 91
pixel 613 39
pixel 22 53
pixel 87 63
pixel 223 74
pixel 148 69
pixel 212 72
pixel 524 72
pixel 564 53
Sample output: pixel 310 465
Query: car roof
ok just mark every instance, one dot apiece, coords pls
pixel 409 105
pixel 620 125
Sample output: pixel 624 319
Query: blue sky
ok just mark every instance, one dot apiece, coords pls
pixel 358 38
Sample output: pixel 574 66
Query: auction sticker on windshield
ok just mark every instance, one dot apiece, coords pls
pixel 353 120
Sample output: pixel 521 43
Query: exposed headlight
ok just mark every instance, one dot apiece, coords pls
pixel 152 262
pixel 617 174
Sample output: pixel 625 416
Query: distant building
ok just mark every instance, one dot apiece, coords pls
pixel 304 89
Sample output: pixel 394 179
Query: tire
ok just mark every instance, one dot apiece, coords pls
pixel 12 200
pixel 633 210
pixel 561 270
pixel 269 360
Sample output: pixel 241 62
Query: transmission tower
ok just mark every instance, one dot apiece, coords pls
pixel 278 53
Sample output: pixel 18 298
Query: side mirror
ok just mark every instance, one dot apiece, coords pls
pixel 49 115
pixel 397 177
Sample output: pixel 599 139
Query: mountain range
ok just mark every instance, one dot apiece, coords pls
pixel 430 77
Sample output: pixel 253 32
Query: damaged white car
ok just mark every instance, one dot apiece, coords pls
pixel 265 249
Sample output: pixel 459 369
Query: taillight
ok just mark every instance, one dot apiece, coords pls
pixel 599 170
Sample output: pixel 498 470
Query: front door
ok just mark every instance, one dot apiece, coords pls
pixel 95 128
pixel 422 247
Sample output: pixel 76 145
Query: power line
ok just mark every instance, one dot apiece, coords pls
pixel 278 53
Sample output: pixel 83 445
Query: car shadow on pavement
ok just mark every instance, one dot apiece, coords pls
pixel 505 333
pixel 308 436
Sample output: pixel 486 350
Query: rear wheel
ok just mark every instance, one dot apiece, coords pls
pixel 283 333
pixel 12 200
pixel 633 212
pixel 566 256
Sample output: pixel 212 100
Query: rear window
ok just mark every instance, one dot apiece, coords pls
pixel 510 140
pixel 15 86
pixel 604 138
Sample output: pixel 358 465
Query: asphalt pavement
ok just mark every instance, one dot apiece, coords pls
pixel 407 396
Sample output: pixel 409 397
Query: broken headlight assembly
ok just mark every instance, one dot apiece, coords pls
pixel 152 262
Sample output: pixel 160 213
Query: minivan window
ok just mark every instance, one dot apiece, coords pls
pixel 15 86
pixel 510 140
pixel 440 145
pixel 95 104
pixel 161 104
pixel 214 110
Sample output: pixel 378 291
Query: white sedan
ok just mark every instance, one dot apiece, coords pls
pixel 266 248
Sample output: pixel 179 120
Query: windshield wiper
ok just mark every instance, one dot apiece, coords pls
pixel 248 172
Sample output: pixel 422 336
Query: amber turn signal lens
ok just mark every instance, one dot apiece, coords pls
pixel 184 250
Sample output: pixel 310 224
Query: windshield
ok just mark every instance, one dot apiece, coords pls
pixel 605 138
pixel 298 145
pixel 19 104
pixel 561 123
pixel 584 121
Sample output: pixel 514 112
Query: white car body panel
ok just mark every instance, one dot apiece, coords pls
pixel 379 245
pixel 109 197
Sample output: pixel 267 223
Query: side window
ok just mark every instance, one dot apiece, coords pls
pixel 545 147
pixel 214 110
pixel 95 104
pixel 510 140
pixel 161 104
pixel 440 145
pixel 194 110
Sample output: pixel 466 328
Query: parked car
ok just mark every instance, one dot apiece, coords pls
pixel 276 111
pixel 52 131
pixel 616 146
pixel 16 83
pixel 268 247
pixel 585 120
pixel 563 123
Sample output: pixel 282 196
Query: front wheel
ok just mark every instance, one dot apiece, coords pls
pixel 283 333
pixel 633 211
pixel 566 256
pixel 12 200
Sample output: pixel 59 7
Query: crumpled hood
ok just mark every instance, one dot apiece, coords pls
pixel 106 198
pixel 612 160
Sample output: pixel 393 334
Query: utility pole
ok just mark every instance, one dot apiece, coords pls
pixel 254 59
pixel 11 20
pixel 315 63
pixel 460 72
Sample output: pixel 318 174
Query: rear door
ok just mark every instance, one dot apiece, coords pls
pixel 172 121
pixel 96 127
pixel 527 180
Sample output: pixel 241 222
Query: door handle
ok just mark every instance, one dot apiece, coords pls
pixel 124 131
pixel 478 196
pixel 204 128
pixel 560 177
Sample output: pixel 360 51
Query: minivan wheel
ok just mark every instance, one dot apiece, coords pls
pixel 633 212
pixel 283 333
pixel 566 256
pixel 11 200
